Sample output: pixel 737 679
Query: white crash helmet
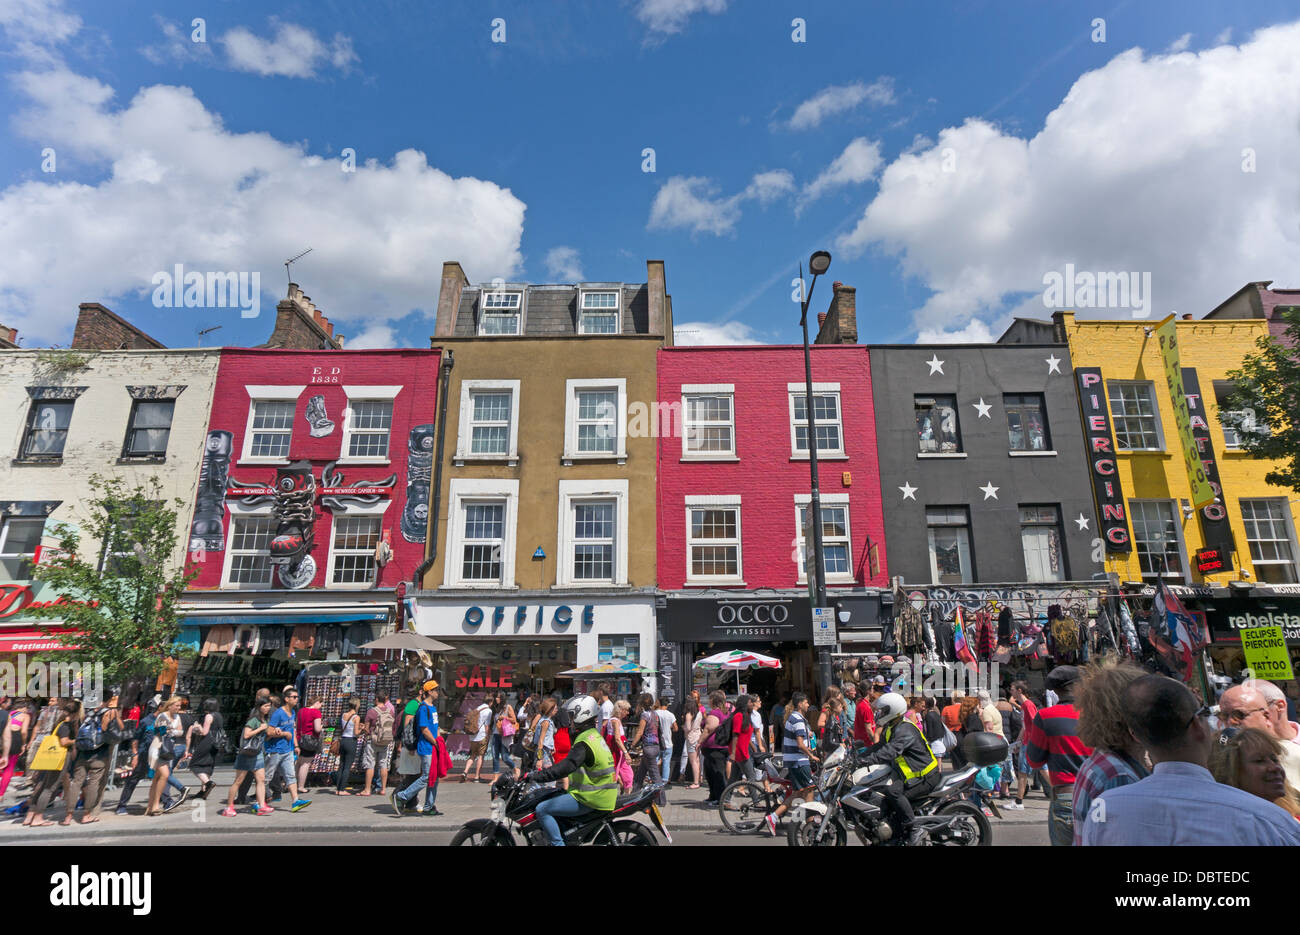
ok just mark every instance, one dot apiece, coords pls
pixel 581 709
pixel 888 708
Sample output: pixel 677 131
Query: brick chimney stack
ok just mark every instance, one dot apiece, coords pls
pixel 839 323
pixel 299 324
pixel 453 284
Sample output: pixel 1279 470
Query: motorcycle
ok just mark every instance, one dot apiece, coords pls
pixel 851 797
pixel 514 810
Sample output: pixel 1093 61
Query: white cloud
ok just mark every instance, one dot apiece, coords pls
pixel 857 164
pixel 1138 169
pixel 839 98
pixel 295 52
pixel 563 265
pixel 670 16
pixel 710 333
pixel 178 187
pixel 919 142
pixel 693 203
pixel 39 21
pixel 178 47
pixel 1181 43
pixel 1224 37
pixel 373 335
pixel 977 332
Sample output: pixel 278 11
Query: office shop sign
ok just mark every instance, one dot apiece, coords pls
pixel 1101 459
pixel 515 620
pixel 704 620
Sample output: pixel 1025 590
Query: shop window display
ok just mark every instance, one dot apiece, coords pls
pixel 936 425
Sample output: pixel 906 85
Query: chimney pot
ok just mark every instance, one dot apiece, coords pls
pixel 821 319
pixel 1187 316
pixel 836 285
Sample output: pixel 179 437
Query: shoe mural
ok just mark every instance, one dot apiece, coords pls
pixel 419 472
pixel 295 514
pixel 318 418
pixel 207 530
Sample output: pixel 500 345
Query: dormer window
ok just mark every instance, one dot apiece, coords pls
pixel 598 313
pixel 499 313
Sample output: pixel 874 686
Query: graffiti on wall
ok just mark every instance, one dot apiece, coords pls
pixel 419 472
pixel 207 532
pixel 1024 601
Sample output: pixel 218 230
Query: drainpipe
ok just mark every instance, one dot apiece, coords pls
pixel 431 550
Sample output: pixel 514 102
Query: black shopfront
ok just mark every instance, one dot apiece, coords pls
pixel 1248 608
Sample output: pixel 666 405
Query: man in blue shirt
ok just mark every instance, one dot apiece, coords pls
pixel 282 748
pixel 426 733
pixel 1179 803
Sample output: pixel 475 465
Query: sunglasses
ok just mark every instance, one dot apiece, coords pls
pixel 1202 711
pixel 1242 715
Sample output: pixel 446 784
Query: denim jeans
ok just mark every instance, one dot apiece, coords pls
pixel 1060 817
pixel 411 792
pixel 171 776
pixel 501 753
pixel 565 806
pixel 666 761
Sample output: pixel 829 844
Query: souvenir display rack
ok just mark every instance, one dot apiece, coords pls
pixel 334 690
pixel 233 681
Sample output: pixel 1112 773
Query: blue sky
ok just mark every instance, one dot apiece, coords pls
pixel 949 160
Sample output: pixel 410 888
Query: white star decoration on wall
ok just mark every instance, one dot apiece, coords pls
pixel 936 365
pixel 1082 521
pixel 1053 364
pixel 909 492
pixel 983 408
pixel 990 490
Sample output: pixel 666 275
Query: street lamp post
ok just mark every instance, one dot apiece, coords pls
pixel 818 263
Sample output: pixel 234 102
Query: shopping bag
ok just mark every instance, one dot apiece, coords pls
pixel 52 754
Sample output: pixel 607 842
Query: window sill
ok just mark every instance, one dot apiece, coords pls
pixel 277 462
pixel 478 586
pixel 346 461
pixel 508 460
pixel 686 459
pixel 568 459
pixel 835 456
pixel 38 461
pixel 142 459
pixel 589 585
pixel 367 586
pixel 956 455
pixel 802 581
pixel 1032 454
pixel 714 582
pixel 1140 451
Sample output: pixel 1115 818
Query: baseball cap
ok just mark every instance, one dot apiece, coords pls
pixel 429 686
pixel 1062 676
pixel 878 680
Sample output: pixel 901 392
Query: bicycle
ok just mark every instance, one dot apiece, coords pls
pixel 744 804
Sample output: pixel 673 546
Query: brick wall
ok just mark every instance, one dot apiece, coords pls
pixel 299 325
pixel 766 475
pixel 98 328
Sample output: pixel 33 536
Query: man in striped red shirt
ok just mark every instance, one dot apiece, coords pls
pixel 1052 740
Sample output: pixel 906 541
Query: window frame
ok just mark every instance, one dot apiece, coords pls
pixel 705 390
pixel 268 394
pixel 368 511
pixel 159 457
pixel 6 524
pixel 1154 398
pixel 1008 407
pixel 1288 530
pixel 716 502
pixel 366 394
pixel 463 491
pixel 828 500
pixel 794 390
pixel 571 390
pixel 29 429
pixel 495 313
pixel 617 310
pixel 1179 547
pixel 572 493
pixel 465 426
pixel 965 558
pixel 960 451
pixel 1056 525
pixel 239 512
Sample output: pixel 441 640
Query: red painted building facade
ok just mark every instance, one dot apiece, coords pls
pixel 733 489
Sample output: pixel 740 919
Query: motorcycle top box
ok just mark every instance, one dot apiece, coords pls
pixel 984 749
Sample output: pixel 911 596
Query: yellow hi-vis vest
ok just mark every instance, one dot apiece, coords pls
pixel 901 761
pixel 595 786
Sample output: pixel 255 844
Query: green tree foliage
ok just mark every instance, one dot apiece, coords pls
pixel 1266 402
pixel 125 615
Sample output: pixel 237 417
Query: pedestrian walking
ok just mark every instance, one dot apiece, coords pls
pixel 162 754
pixel 543 734
pixel 1052 740
pixel 646 736
pixel 864 718
pixel 378 753
pixel 14 741
pixel 250 760
pixel 692 718
pixel 1260 704
pixel 1117 758
pixel 310 727
pixel 207 742
pixel 478 722
pixel 282 749
pixel 796 756
pixel 139 766
pixel 1028 710
pixel 349 730
pixel 775 723
pixel 667 728
pixel 1250 759
pixel 614 739
pixel 52 762
pixel 739 751
pixel 713 751
pixel 504 727
pixel 96 737
pixel 426 732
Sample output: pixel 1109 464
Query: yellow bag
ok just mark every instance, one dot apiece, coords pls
pixel 52 755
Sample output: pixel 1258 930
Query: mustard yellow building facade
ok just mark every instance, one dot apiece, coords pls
pixel 1148 453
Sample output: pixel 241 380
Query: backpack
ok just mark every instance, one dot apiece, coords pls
pixel 382 735
pixel 409 736
pixel 90 735
pixel 471 722
pixel 722 736
pixel 220 742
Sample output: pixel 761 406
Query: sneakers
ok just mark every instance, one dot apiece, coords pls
pixel 299 805
pixel 228 812
pixel 431 812
pixel 398 805
pixel 262 811
pixel 1018 806
pixel 121 811
pixel 770 821
pixel 175 803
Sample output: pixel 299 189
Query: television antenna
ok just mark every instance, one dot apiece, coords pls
pixel 294 259
pixel 203 331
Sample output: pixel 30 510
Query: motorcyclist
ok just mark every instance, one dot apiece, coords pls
pixel 594 788
pixel 915 767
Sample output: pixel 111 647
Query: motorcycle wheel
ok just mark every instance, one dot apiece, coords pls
pixel 742 807
pixel 804 833
pixel 972 830
pixel 630 833
pixel 482 833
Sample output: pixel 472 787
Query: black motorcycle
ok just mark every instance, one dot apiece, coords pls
pixel 514 809
pixel 854 799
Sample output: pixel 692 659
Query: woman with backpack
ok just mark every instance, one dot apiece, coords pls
pixel 163 749
pixel 504 727
pixel 207 740
pixel 51 764
pixel 96 737
pixel 543 735
pixel 646 737
pixel 349 729
pixel 251 757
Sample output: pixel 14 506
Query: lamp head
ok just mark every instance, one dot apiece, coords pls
pixel 819 262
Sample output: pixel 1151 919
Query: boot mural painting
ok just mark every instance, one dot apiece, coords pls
pixel 295 514
pixel 419 472
pixel 317 417
pixel 207 532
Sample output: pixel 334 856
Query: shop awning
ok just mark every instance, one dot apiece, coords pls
pixel 606 668
pixel 30 641
pixel 288 620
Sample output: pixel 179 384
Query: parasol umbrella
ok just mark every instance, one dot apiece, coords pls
pixel 606 668
pixel 737 659
pixel 408 640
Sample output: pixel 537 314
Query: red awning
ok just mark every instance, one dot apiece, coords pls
pixel 30 641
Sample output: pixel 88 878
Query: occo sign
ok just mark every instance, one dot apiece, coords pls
pixel 749 614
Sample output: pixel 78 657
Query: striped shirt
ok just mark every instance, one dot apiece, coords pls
pixel 1052 739
pixel 796 726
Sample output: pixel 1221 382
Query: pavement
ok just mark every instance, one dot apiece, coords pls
pixel 334 815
